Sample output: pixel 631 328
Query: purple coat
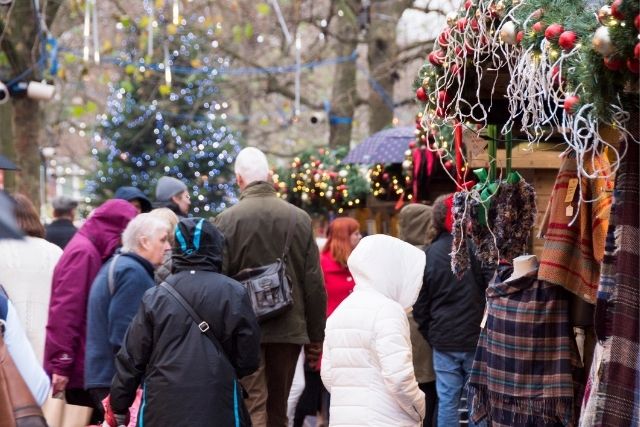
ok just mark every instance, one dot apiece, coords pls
pixel 83 256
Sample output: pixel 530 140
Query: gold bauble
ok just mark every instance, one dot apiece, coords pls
pixel 452 18
pixel 500 7
pixel 425 82
pixel 604 15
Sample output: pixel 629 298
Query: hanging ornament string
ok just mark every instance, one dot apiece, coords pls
pixel 96 36
pixel 297 77
pixel 86 31
pixel 91 20
pixel 176 12
pixel 167 65
pixel 149 9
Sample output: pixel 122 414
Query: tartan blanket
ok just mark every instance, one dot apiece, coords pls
pixel 613 393
pixel 522 372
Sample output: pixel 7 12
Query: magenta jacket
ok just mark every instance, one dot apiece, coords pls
pixel 83 256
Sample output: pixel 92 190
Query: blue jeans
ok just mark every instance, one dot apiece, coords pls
pixel 452 373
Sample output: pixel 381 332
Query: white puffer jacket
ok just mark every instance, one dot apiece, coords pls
pixel 366 362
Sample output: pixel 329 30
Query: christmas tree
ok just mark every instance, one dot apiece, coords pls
pixel 165 116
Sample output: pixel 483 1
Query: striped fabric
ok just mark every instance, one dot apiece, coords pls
pixel 613 398
pixel 572 252
pixel 521 374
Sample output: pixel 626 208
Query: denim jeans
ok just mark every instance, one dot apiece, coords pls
pixel 452 373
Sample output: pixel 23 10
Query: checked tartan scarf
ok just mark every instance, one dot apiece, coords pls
pixel 612 397
pixel 522 372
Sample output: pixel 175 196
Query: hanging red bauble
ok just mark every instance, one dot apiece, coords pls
pixel 448 164
pixel 474 24
pixel 519 36
pixel 614 64
pixel 570 103
pixel 436 57
pixel 553 31
pixel 468 4
pixel 556 76
pixel 633 65
pixel 615 10
pixel 461 24
pixel 412 144
pixel 461 52
pixel 636 51
pixel 440 112
pixel 421 94
pixel 385 176
pixel 443 98
pixel 443 38
pixel 538 27
pixel 567 40
pixel 454 69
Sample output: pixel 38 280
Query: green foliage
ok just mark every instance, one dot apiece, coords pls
pixel 319 182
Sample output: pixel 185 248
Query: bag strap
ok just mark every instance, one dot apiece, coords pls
pixel 110 275
pixel 292 225
pixel 202 325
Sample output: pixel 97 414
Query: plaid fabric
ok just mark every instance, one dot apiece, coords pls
pixel 614 398
pixel 521 374
pixel 572 252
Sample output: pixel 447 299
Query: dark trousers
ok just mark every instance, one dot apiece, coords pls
pixel 97 396
pixel 81 397
pixel 269 386
pixel 431 403
pixel 314 398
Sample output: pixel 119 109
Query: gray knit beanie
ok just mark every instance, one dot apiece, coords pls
pixel 168 187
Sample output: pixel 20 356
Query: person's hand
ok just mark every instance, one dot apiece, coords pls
pixel 313 352
pixel 112 419
pixel 59 385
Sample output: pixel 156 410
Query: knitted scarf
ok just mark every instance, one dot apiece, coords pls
pixel 612 397
pixel 573 250
pixel 521 374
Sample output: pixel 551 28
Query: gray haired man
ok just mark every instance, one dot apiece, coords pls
pixel 255 232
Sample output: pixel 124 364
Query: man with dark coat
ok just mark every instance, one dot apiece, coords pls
pixel 448 312
pixel 61 229
pixel 255 231
pixel 81 260
pixel 188 379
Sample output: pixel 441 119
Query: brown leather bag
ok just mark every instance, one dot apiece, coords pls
pixel 18 408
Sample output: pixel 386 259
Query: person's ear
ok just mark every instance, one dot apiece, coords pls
pixel 240 181
pixel 144 242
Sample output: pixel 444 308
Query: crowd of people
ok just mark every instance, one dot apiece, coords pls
pixel 137 316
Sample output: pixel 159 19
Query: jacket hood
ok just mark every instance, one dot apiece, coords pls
pixel 106 224
pixel 199 246
pixel 132 193
pixel 413 223
pixel 389 266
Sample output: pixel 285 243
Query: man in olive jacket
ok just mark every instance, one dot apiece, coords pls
pixel 255 231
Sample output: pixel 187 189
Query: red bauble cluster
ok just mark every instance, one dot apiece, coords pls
pixel 421 94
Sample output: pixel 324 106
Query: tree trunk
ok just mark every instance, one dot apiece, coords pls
pixel 20 45
pixel 27 127
pixel 382 52
pixel 6 143
pixel 343 93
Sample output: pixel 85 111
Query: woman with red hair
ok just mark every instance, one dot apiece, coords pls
pixel 342 237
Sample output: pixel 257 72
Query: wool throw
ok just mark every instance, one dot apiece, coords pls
pixel 574 249
pixel 613 397
pixel 522 371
